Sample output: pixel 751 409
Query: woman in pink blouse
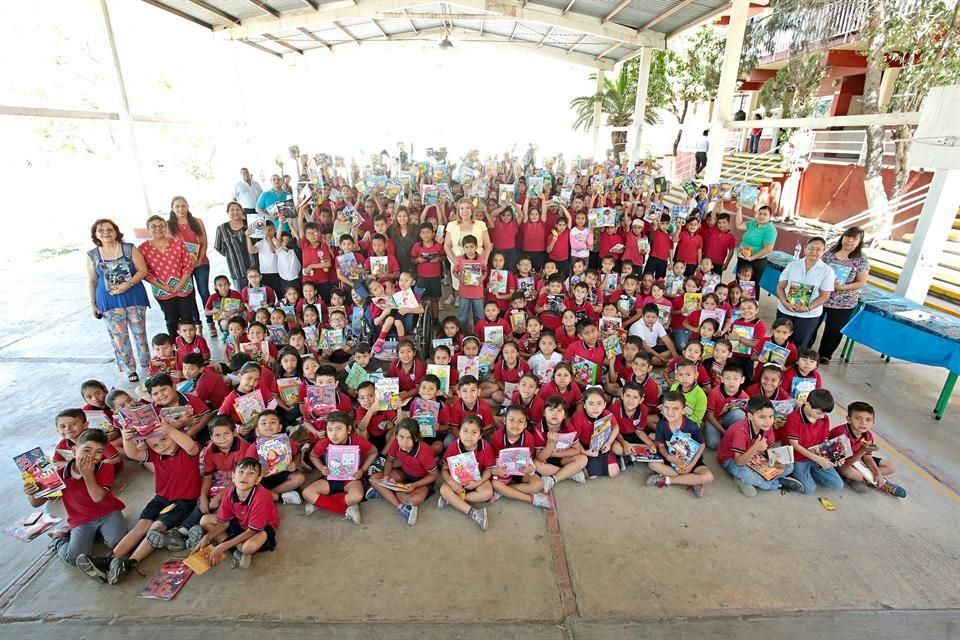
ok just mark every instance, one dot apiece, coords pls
pixel 169 267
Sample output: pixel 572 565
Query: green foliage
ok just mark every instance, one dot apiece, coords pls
pixel 793 91
pixel 616 101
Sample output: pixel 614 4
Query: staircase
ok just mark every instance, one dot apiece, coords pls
pixel 754 169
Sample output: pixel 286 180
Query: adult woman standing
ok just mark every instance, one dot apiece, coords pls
pixel 404 235
pixel 463 225
pixel 169 267
pixel 758 240
pixel 804 286
pixel 231 243
pixel 847 253
pixel 115 273
pixel 183 225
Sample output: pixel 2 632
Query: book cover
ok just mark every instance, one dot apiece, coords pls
pixel 442 342
pixel 356 376
pixel 748 288
pixel 275 453
pixel 248 407
pixel 664 315
pixel 782 409
pixel 36 468
pixel 835 449
pixel 442 371
pixel 565 440
pixel 193 249
pixel 602 428
pixel 748 196
pixel 289 390
pixel 717 314
pixel 229 306
pixel 379 266
pixel 506 194
pixel 683 446
pixel 493 335
pixel 734 404
pixel 312 335
pixel 331 339
pixel 708 347
pixel 426 413
pixel 172 414
pixel 842 272
pixel 514 460
pixel 690 188
pixel 143 419
pixel 222 480
pixel 710 282
pixel 256 223
pixel 565 196
pixel 343 461
pixel 159 364
pixel 679 214
pixel 199 560
pixel 320 400
pixel 30 526
pixel 518 320
pixel 472 274
pixel 488 354
pixel 468 366
pixel 463 468
pixel 763 467
pixel 405 299
pixel 115 273
pixel 740 331
pixel 673 285
pixel 98 420
pixel 644 453
pixel 780 455
pixel 798 293
pixel 277 334
pixel 388 393
pixel 349 266
pixel 612 346
pixel 773 353
pixel 800 388
pixel 167 581
pixel 497 281
pixel 256 297
pixel 389 483
pixel 555 303
pixel 610 325
pixel 534 186
pixel 611 282
pixel 429 194
pixel 584 371
pixel 691 302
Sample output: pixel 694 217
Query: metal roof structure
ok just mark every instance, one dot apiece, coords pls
pixel 596 33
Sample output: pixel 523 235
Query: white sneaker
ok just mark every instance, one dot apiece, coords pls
pixel 441 503
pixel 291 497
pixel 579 477
pixel 448 302
pixel 543 501
pixel 353 513
pixel 480 517
pixel 549 482
pixel 309 508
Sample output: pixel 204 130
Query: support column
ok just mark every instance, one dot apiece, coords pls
pixel 728 85
pixel 931 235
pixel 640 105
pixel 887 83
pixel 597 116
pixel 125 117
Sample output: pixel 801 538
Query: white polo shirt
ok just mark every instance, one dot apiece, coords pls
pixel 247 194
pixel 820 277
pixel 649 336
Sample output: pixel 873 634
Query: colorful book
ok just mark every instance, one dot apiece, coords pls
pixel 275 453
pixel 612 346
pixel 343 461
pixel 664 315
pixel 221 481
pixel 780 455
pixel 679 214
pixel 390 483
pixel 248 407
pixel 429 194
pixel 289 390
pixel 748 196
pixel 405 299
pixel 741 331
pixel 799 293
pixel 172 414
pixel 683 446
pixel 356 376
pixel 312 335
pixel 762 466
pixel 379 266
pixel 782 409
pixel 442 371
pixel 256 297
pixel 277 334
pixel 748 288
pixel 159 364
pixel 388 393
pixel 710 282
pixel 167 581
pixel 514 460
pixel 691 302
pixel 442 342
pixel 534 186
pixel 497 281
pixel 98 420
pixel 144 419
pixel 800 388
pixel 717 314
pixel 229 307
pixel 555 303
pixel 471 274
pixel 426 413
pixel 463 468
pixel 842 272
pixel 493 335
pixel 835 449
pixel 349 266
pixel 193 249
pixel 708 347
pixel 610 325
pixel 505 195
pixel 331 339
pixel 602 428
pixel 673 285
pixel 565 440
pixel 320 400
pixel 30 526
pixel 518 320
pixel 36 468
pixel 199 560
pixel 584 371
pixel 468 366
pixel 774 354
pixel 644 453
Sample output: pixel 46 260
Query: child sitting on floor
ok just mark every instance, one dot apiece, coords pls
pixel 338 496
pixel 863 470
pixel 465 485
pixel 693 474
pixel 282 485
pixel 808 427
pixel 412 467
pixel 525 486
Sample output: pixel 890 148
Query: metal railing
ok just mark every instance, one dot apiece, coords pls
pixel 895 206
pixel 849 146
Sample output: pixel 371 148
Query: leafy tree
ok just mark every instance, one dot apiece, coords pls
pixel 793 91
pixel 617 100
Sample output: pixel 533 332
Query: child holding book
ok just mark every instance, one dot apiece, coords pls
pixel 408 368
pixel 689 245
pixel 256 295
pixel 863 470
pixel 780 334
pixel 372 422
pixel 747 438
pixel 597 431
pixel 216 308
pixel 681 309
pixel 195 414
pixel 534 235
pixel 469 404
pixel 175 459
pixel 563 384
pixel 724 404
pixel 71 424
pixel 676 468
pixel 218 461
pixel 499 277
pixel 283 484
pixel 720 245
pixel 500 327
pixel 91 507
pixel 803 375
pixel 164 356
pixel 694 353
pixel 587 349
pixel 412 468
pixel 467 468
pixel 769 386
pixel 545 360
pixel 521 484
pixel 656 342
pixel 695 399
pixel 559 454
pixel 749 332
pixel 661 246
pixel 527 395
pixel 246 521
pixel 551 303
pixel 566 333
pixel 808 427
pixel 428 254
pixel 188 341
pixel 471 271
pixel 631 415
pixel 339 496
pixel 507 371
pixel 558 246
pixel 208 384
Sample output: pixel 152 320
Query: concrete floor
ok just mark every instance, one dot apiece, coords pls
pixel 617 560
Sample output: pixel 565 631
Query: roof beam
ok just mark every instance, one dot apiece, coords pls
pixel 666 14
pixel 282 43
pixel 567 8
pixel 607 50
pixel 545 36
pixel 261 48
pixel 632 55
pixel 514 31
pixel 312 4
pixel 315 37
pixel 412 26
pixel 265 7
pixel 577 43
pixel 216 11
pixel 379 28
pixel 617 9
pixel 179 14
pixel 343 30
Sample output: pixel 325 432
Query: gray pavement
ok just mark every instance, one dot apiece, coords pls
pixel 619 559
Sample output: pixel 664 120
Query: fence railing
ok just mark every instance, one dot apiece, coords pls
pixel 906 201
pixel 849 146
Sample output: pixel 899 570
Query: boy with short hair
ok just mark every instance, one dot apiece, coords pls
pixel 469 403
pixel 373 423
pixel 71 424
pixel 721 245
pixel 806 367
pixel 163 358
pixel 695 399
pixel 471 295
pixel 427 254
pixel 859 430
pixel 661 246
pixel 164 395
pixel 654 336
pixel 546 306
pixel 695 474
pixel 721 409
pixel 188 341
pixel 208 384
pixel 807 427
pixel 282 485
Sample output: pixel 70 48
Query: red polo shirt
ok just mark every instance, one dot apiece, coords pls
pixel 579 349
pixel 457 411
pixel 417 463
pixel 176 477
pixel 687 247
pixel 570 397
pixel 80 507
pixel 805 433
pixel 216 460
pixel 409 378
pixel 483 453
pixel 316 255
pixel 500 441
pixel 629 423
pixel 661 244
pixel 257 511
pixel 738 438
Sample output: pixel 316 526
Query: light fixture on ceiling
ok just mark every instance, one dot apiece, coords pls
pixel 445 43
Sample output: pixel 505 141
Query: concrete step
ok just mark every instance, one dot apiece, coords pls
pixel 888 265
pixel 950 258
pixel 953 236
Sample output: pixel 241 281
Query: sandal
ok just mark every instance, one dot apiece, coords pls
pixel 133 377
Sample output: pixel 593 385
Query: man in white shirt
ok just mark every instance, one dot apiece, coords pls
pixel 247 191
pixel 805 284
pixel 701 154
pixel 656 342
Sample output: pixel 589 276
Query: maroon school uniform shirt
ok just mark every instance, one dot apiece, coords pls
pixel 584 310
pixel 739 437
pixel 503 236
pixel 500 440
pixel 661 244
pixel 256 512
pixel 409 378
pixel 608 241
pixel 483 323
pixel 550 320
pixel 571 396
pixel 417 463
pixel 631 248
pixel 717 401
pixel 756 390
pixel 564 340
pixel 175 477
pixel 457 411
pixel 428 269
pixel 483 452
pixel 790 374
pixel 688 245
pixel 320 449
pixel 629 422
pixel 561 249
pixel 583 424
pixel 379 423
pixel 211 388
pixel 579 349
pixel 717 245
pixel 502 373
pixel 804 432
pixel 80 507
pixel 534 407
pixel 534 236
pixel 213 300
pixel 199 345
pixel 315 255
pixel 213 459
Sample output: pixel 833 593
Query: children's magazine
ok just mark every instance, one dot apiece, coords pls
pixel 518 320
pixel 780 455
pixel 32 525
pixel 506 194
pixel 167 581
pixel 37 468
pixel 602 428
pixel 644 453
pixel 256 297
pixel 741 331
pixel 277 334
pixel 98 420
pixel 388 393
pixel 842 272
pixel 514 460
pixel 320 400
pixel 763 467
pixel 612 346
pixel 248 407
pixel 379 266
pixel 343 461
pixel 691 302
pixel 800 388
pixel 275 453
pixel 463 468
pixel 782 409
pixel 472 274
pixel 565 440
pixel 584 371
pixel 468 366
pixel 798 293
pixel 493 335
pixel 497 281
pixel 355 377
pixel 144 420
pixel 425 412
pixel 774 353
pixel 683 446
pixel 289 390
pixel 442 371
pixel 835 449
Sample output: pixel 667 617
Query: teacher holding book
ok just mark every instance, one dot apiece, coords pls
pixel 464 225
pixel 169 271
pixel 851 268
pixel 758 239
pixel 804 286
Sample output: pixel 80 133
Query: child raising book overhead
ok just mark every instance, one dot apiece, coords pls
pixel 408 474
pixel 467 467
pixel 680 444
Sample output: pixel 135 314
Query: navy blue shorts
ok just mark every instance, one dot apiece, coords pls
pixel 275 480
pixel 597 466
pixel 410 479
pixel 431 287
pixel 338 486
pixel 234 529
pixel 179 510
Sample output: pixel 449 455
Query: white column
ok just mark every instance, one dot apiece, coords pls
pixel 640 106
pixel 931 235
pixel 598 154
pixel 125 109
pixel 726 89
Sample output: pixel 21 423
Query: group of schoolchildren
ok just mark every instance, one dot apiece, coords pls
pixel 678 366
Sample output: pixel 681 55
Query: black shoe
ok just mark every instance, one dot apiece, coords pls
pixel 788 484
pixel 94 566
pixel 824 360
pixel 119 567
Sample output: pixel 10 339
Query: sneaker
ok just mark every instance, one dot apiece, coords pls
pixel 542 500
pixel 656 480
pixel 240 560
pixel 372 494
pixel 170 540
pixel 441 502
pixel 353 513
pixel 824 360
pixel 858 487
pixel 95 567
pixel 480 517
pixel 448 302
pixel 378 345
pixel 119 567
pixel 291 497
pixel 309 508
pixel 746 489
pixel 789 483
pixel 193 536
pixel 377 466
pixel 893 489
pixel 579 477
pixel 408 513
pixel 549 482
pixel 496 496
pixel 696 489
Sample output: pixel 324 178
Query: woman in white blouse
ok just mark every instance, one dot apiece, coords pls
pixel 805 284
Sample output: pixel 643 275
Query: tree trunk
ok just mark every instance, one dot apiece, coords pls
pixel 618 140
pixel 880 221
pixel 683 116
pixel 900 170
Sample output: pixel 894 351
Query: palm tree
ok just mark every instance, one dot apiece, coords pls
pixel 617 100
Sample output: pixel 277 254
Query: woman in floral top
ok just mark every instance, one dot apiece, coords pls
pixel 845 256
pixel 169 266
